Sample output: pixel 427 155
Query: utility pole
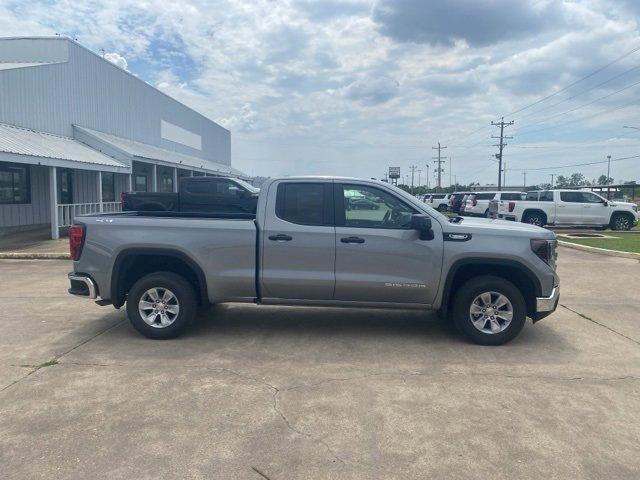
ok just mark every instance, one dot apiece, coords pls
pixel 419 178
pixel 450 162
pixel 439 160
pixel 427 176
pixel 413 169
pixel 501 145
pixel 504 173
pixel 608 169
pixel 524 180
pixel 552 175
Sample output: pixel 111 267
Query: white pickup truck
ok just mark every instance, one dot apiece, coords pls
pixel 568 207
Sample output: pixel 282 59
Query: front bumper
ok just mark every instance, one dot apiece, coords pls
pixel 82 285
pixel 546 305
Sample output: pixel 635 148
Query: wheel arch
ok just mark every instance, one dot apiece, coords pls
pixel 134 263
pixel 511 270
pixel 622 212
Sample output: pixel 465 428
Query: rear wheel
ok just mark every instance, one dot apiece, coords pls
pixel 621 221
pixel 442 208
pixel 489 310
pixel 161 305
pixel 486 213
pixel 535 218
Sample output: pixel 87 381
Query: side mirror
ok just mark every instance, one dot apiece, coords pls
pixel 422 223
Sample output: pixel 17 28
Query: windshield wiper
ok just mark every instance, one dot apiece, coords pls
pixel 457 219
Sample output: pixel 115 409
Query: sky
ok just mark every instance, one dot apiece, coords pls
pixel 352 87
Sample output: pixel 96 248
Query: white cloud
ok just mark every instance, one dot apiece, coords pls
pixel 372 90
pixel 117 59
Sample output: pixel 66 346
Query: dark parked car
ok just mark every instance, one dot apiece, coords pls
pixel 455 202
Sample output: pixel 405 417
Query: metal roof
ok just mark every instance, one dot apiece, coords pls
pixel 21 141
pixel 142 151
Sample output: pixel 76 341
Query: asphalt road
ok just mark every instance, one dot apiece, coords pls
pixel 289 393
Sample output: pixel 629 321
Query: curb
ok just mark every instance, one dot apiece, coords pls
pixel 34 256
pixel 601 251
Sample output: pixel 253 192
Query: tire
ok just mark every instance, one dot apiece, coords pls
pixel 621 221
pixel 535 218
pixel 486 213
pixel 176 319
pixel 470 292
pixel 442 208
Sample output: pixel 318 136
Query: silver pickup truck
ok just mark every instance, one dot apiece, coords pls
pixel 318 241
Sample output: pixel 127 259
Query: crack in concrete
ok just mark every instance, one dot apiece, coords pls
pixel 54 360
pixel 598 323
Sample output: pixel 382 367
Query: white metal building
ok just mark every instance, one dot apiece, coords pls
pixel 76 131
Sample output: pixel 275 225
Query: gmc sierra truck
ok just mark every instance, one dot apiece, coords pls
pixel 568 208
pixel 306 246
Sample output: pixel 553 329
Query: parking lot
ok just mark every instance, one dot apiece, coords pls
pixel 292 393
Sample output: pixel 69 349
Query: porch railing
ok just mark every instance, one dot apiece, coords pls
pixel 67 212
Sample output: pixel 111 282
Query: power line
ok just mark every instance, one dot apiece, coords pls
pixel 574 83
pixel 584 105
pixel 559 125
pixel 558 167
pixel 580 93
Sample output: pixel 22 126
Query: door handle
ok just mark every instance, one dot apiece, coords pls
pixel 352 240
pixel 281 237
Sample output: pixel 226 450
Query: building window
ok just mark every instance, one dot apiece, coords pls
pixel 198 174
pixel 65 186
pixel 108 187
pixel 140 183
pixel 15 183
pixel 165 178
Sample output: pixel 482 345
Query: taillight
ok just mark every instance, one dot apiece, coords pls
pixel 512 206
pixel 76 241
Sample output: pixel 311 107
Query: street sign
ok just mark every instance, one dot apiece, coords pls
pixel 394 172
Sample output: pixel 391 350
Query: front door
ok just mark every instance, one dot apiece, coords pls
pixel 379 257
pixel 298 243
pixel 569 210
pixel 595 210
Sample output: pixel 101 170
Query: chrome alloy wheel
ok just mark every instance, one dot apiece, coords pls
pixel 159 307
pixel 491 312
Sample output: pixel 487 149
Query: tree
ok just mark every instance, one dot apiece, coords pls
pixel 577 180
pixel 562 181
pixel 603 180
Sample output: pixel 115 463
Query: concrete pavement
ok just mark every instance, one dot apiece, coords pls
pixel 288 393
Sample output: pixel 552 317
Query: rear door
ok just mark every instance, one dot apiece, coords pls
pixel 379 258
pixel 298 242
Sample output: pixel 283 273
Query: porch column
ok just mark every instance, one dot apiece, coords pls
pixel 154 180
pixel 129 182
pixel 99 190
pixel 191 173
pixel 175 179
pixel 53 202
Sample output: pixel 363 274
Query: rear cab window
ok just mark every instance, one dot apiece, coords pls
pixel 305 203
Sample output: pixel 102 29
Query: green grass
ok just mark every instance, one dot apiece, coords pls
pixel 624 241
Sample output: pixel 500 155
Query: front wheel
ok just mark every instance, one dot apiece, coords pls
pixel 534 218
pixel 489 310
pixel 621 221
pixel 161 305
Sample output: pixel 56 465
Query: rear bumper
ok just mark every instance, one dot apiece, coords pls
pixel 507 217
pixel 547 305
pixel 82 285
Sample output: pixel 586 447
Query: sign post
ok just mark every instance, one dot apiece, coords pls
pixel 394 175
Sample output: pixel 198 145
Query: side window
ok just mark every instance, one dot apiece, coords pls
pixel 302 203
pixel 588 197
pixel 571 197
pixel 512 196
pixel 366 206
pixel 485 196
pixel 546 196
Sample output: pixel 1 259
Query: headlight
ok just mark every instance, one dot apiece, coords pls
pixel 545 250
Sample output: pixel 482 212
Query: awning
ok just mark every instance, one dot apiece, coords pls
pixel 22 145
pixel 132 150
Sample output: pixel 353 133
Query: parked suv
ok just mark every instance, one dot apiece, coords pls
pixel 439 201
pixel 503 198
